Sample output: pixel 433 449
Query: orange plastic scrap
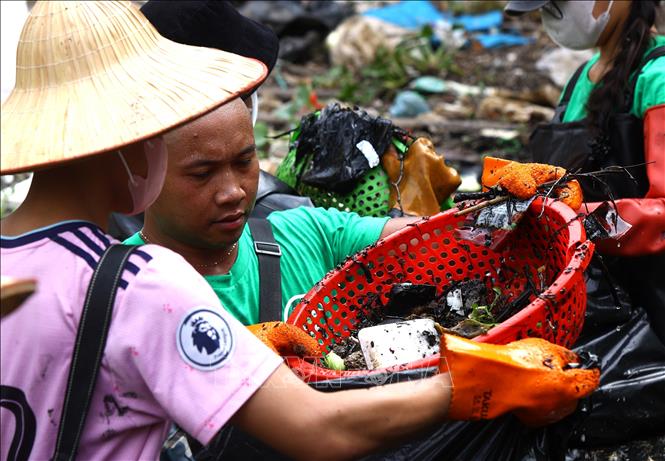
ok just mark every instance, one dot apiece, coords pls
pixel 492 171
pixel 286 339
pixel 522 180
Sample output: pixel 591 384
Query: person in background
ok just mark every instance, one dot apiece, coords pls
pixel 612 113
pixel 611 116
pixel 96 86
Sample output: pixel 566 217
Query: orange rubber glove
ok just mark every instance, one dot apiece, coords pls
pixel 529 377
pixel 286 339
pixel 521 180
pixel 426 179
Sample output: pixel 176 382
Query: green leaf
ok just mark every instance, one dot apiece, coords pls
pixel 333 362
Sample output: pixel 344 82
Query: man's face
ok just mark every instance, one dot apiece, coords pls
pixel 211 181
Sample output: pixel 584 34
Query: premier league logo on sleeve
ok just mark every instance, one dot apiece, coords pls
pixel 204 339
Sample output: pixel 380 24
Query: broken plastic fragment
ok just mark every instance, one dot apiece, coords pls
pixel 605 223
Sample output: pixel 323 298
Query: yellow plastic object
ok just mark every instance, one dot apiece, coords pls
pixel 426 181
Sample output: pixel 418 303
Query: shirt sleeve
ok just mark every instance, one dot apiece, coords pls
pixel 198 362
pixel 650 87
pixel 346 233
pixel 134 240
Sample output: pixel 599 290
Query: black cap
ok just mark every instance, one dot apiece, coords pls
pixel 213 24
pixel 517 7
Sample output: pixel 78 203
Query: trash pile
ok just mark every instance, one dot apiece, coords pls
pixel 465 308
pixel 470 81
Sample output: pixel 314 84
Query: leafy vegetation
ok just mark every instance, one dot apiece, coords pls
pixel 391 70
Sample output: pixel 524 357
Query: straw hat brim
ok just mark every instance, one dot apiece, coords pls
pixel 134 98
pixel 13 292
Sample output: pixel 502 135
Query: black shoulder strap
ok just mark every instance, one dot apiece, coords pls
pixel 656 53
pixel 270 277
pixel 89 348
pixel 560 110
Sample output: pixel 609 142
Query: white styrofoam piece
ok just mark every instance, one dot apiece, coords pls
pixel 398 343
pixel 455 301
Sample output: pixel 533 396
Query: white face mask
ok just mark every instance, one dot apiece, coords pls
pixel 576 28
pixel 144 191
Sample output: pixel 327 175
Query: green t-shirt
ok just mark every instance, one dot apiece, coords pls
pixel 313 241
pixel 649 90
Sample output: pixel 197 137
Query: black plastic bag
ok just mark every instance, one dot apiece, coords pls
pixel 629 404
pixel 328 143
pixel 301 26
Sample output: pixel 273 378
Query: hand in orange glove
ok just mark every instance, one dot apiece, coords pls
pixel 531 377
pixel 522 180
pixel 286 339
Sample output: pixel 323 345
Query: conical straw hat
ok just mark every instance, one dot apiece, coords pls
pixel 94 76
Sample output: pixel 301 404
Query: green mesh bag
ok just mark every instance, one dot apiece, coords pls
pixel 369 197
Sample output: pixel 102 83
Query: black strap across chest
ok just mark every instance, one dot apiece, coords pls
pixel 269 254
pixel 89 348
pixel 563 105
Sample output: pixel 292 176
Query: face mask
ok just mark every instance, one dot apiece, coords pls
pixel 575 27
pixel 255 107
pixel 144 191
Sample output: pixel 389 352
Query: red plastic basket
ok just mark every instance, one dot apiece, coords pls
pixel 433 251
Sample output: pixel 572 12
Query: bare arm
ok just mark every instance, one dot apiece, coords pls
pixel 307 424
pixel 395 224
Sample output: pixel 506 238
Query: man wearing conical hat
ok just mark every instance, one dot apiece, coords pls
pixel 96 86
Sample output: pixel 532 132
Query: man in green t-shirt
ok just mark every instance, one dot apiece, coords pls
pixel 202 213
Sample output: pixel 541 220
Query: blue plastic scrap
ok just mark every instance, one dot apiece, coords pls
pixel 408 104
pixel 499 40
pixel 410 15
pixel 428 84
pixel 476 22
pixel 418 13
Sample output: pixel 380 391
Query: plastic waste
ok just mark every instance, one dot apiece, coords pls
pixel 476 22
pixel 498 40
pixel 301 26
pixel 328 142
pixel 428 84
pixel 422 182
pixel 408 104
pixel 354 42
pixel 409 15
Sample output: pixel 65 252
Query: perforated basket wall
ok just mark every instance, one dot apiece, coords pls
pixel 370 196
pixel 433 251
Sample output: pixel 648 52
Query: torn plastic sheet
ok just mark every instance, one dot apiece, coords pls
pixel 492 225
pixel 503 215
pixel 605 223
